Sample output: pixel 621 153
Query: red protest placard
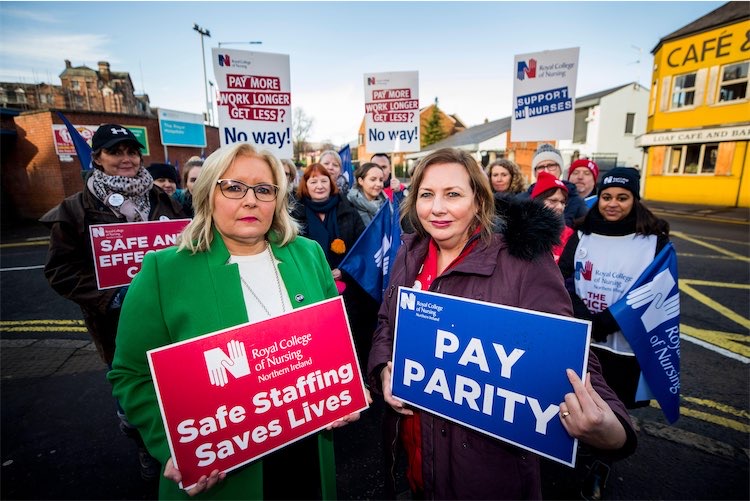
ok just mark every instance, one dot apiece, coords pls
pixel 230 397
pixel 119 248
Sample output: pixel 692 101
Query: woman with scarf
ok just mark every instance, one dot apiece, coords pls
pixel 367 195
pixel 118 190
pixel 328 218
pixel 619 237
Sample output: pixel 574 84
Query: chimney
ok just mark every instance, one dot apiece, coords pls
pixel 104 70
pixel 67 64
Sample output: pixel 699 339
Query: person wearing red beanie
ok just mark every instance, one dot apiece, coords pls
pixel 584 174
pixel 554 195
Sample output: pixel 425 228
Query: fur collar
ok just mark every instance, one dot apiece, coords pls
pixel 529 228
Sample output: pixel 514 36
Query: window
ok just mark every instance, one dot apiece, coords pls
pixel 580 125
pixel 629 123
pixel 734 82
pixel 683 91
pixel 76 85
pixel 692 159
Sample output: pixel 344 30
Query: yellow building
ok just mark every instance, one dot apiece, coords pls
pixel 698 129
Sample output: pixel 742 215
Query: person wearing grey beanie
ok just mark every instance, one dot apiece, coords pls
pixel 548 159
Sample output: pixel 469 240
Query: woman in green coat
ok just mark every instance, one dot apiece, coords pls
pixel 239 260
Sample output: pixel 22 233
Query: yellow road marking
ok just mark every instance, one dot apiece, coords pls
pixel 706 256
pixel 726 409
pixel 727 340
pixel 716 248
pixel 746 242
pixel 43 329
pixel 24 244
pixel 37 322
pixel 700 218
pixel 710 418
pixel 685 286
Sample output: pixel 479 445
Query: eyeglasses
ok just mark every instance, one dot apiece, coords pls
pixel 237 190
pixel 547 167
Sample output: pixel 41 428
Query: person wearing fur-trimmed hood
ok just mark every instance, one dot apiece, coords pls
pixel 457 249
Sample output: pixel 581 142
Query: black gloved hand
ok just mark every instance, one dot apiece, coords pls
pixel 602 325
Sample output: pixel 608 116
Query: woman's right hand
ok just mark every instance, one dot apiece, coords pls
pixel 385 380
pixel 204 483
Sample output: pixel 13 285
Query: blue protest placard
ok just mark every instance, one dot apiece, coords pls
pixel 496 369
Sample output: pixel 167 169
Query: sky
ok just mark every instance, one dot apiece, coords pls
pixel 463 51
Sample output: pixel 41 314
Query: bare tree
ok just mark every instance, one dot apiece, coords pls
pixel 301 130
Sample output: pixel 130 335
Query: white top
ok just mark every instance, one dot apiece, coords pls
pixel 263 277
pixel 606 269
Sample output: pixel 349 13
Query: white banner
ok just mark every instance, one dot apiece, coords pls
pixel 255 104
pixel 392 111
pixel 544 89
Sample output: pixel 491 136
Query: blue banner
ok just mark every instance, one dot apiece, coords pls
pixel 649 317
pixel 495 369
pixel 347 169
pixel 591 201
pixel 370 259
pixel 83 150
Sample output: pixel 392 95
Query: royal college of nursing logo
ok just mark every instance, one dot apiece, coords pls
pixel 526 70
pixel 224 60
pixel 219 363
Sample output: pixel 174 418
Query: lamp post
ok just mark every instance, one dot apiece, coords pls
pixel 204 33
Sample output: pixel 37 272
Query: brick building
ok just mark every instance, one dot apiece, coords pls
pixel 82 88
pixel 35 177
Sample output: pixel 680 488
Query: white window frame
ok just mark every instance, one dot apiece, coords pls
pixel 676 90
pixel 722 83
pixel 683 155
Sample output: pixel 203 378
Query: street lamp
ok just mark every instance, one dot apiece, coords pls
pixel 235 43
pixel 204 33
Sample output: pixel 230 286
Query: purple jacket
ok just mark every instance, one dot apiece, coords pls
pixel 458 462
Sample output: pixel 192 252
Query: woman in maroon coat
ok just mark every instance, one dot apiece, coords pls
pixel 455 250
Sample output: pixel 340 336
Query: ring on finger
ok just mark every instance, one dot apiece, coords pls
pixel 565 414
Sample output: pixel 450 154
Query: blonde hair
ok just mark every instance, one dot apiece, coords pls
pixel 480 185
pixel 198 235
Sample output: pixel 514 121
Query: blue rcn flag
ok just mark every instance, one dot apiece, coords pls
pixel 346 164
pixel 370 258
pixel 649 317
pixel 83 150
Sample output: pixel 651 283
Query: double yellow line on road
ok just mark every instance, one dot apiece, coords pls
pixel 42 326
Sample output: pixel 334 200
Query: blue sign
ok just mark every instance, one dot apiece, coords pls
pixel 496 369
pixel 181 129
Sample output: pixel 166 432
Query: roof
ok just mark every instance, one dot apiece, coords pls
pixel 473 135
pixel 729 13
pixel 602 93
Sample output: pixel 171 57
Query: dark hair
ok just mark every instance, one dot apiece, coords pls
pixel 548 193
pixel 113 150
pixel 362 171
pixel 480 185
pixel 646 223
pixel 384 155
pixel 315 169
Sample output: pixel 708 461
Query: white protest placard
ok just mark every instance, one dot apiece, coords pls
pixel 392 111
pixel 254 101
pixel 544 89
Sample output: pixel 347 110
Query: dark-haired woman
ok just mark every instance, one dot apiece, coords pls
pixel 328 218
pixel 367 195
pixel 615 243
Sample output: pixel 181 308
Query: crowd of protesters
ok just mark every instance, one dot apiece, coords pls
pixel 469 231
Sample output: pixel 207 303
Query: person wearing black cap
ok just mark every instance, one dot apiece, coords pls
pixel 118 190
pixel 615 243
pixel 165 177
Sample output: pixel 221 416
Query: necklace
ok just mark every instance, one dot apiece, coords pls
pixel 278 285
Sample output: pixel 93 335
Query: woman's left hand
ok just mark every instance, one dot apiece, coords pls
pixel 587 417
pixel 336 274
pixel 349 418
